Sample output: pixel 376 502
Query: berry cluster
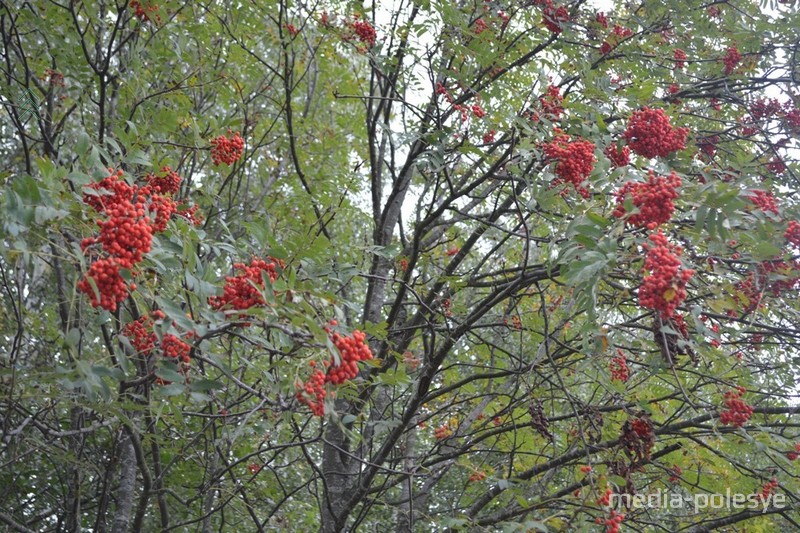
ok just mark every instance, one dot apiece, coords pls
pixel 585 469
pixel 613 522
pixel 792 234
pixel 53 77
pixel 675 474
pixel 605 499
pixel 601 19
pixel 731 59
pixel 478 475
pixel 765 201
pixel 776 166
pixel 552 103
pixel 411 361
pixel 680 58
pixel 352 349
pixel 313 393
pixel 488 137
pixel 619 368
pixel 111 287
pixel 126 233
pixel 574 161
pixel 227 150
pixel 653 198
pixel 638 438
pixel 362 31
pixel 764 109
pixel 143 11
pixel 243 290
pixel 708 145
pixel 737 412
pixel 650 134
pixel 167 181
pixel 767 490
pixel 143 339
pixel 553 17
pixel 794 454
pixel 480 26
pixel 442 432
pixel 619 157
pixel 664 289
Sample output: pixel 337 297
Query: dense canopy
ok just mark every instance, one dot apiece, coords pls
pixel 416 265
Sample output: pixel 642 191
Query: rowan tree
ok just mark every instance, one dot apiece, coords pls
pixel 411 266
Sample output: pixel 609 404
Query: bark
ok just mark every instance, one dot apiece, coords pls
pixel 127 485
pixel 336 471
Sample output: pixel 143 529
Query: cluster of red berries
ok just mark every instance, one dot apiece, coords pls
pixel 737 412
pixel 312 393
pixel 764 109
pixel 480 26
pixel 488 137
pixel 680 58
pixel 731 59
pixel 605 499
pixel 145 11
pixel 601 19
pixel 638 437
pixel 614 38
pixel 126 233
pixel 442 432
pixel 708 145
pixel 140 332
pixel 243 290
pixel 293 31
pixel 411 361
pixel 53 77
pixel 664 289
pixel 574 161
pixel 254 468
pixel 764 200
pixel 619 157
pixel 675 474
pixel 362 31
pixel 776 166
pixel 553 17
pixel 768 489
pixel 143 339
pixel 650 134
pixel 227 150
pixel 552 103
pixel 791 118
pixel 352 349
pixel 653 198
pixel 478 475
pixel 794 454
pixel 792 233
pixel 785 279
pixel 167 181
pixel 111 287
pixel 612 523
pixel 585 469
pixel 619 368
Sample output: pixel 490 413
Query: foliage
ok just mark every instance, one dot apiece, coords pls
pixel 430 266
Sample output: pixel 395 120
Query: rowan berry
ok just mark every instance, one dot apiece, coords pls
pixel 574 161
pixel 227 150
pixel 650 134
pixel 653 198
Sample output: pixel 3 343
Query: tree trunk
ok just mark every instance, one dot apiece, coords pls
pixel 127 484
